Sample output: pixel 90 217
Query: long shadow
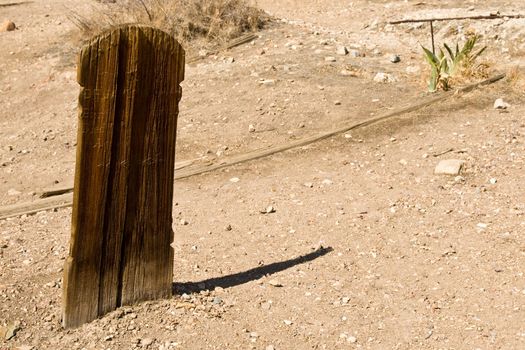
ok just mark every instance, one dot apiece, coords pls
pixel 247 276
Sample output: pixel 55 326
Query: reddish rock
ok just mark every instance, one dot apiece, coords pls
pixel 7 26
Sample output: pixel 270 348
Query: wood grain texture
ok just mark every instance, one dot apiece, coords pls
pixel 120 249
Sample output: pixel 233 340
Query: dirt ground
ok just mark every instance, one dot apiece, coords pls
pixel 367 247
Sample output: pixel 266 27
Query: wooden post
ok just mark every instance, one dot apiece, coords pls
pixel 120 249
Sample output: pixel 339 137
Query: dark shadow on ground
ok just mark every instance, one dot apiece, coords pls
pixel 247 276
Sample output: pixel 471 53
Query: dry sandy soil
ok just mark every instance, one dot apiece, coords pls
pixel 410 260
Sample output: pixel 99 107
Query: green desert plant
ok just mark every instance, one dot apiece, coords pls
pixel 440 70
pixel 443 68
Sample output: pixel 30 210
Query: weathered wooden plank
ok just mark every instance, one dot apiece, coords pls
pixel 120 249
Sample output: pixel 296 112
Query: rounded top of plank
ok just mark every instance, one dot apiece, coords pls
pixel 134 28
pixel 128 40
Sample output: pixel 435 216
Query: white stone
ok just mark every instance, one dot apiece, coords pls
pixel 449 167
pixel 267 82
pixel 500 104
pixel 13 192
pixel 342 50
pixel 382 77
pixel 351 339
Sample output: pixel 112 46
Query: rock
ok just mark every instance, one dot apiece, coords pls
pixel 11 330
pixel 288 322
pixel 228 227
pixel 269 209
pixel 266 305
pixel 235 179
pixel 13 192
pixel 145 342
pixel 341 50
pixel 184 222
pixel 459 179
pixel 229 60
pixel 449 167
pixel 395 59
pixel 493 181
pixel 355 53
pixel 330 59
pixel 347 73
pixel 500 104
pixel 267 82
pixel 7 26
pixel 337 103
pixel 308 184
pixel 382 77
pixel 327 182
pixel 274 283
pixel 270 347
pixel 251 128
pixel 351 339
pixel 217 301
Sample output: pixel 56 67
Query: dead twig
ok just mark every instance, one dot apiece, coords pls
pixel 16 3
pixel 443 152
pixel 441 19
pixel 237 42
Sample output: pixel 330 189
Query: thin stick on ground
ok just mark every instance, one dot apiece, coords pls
pixel 66 200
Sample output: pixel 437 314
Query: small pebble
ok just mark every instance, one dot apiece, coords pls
pixel 351 339
pixel 269 209
pixel 500 104
pixel 7 26
pixel 395 59
pixel 274 283
pixel 267 82
pixel 382 77
pixel 342 50
pixel 146 342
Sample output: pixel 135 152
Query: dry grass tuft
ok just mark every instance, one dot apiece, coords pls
pixel 194 23
pixel 516 79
